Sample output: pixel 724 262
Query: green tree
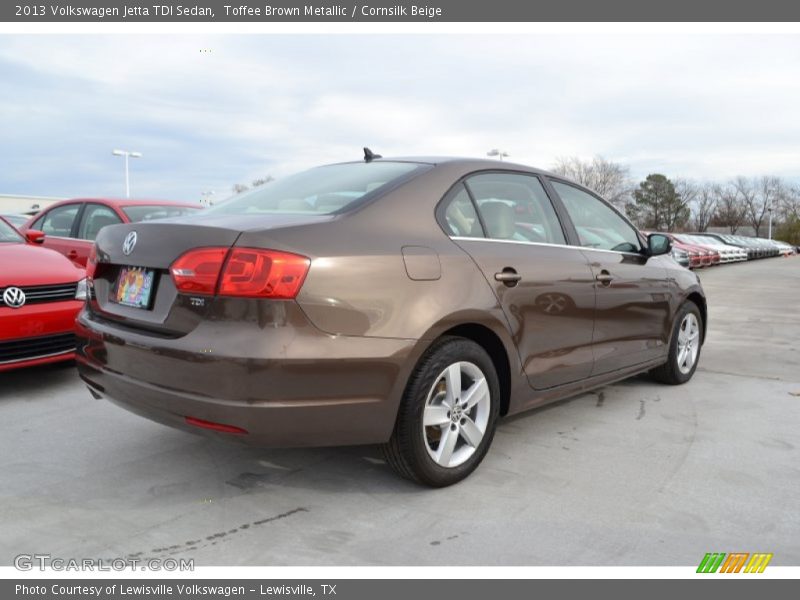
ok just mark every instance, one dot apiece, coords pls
pixel 789 231
pixel 657 204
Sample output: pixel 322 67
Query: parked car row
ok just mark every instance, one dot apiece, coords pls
pixel 43 276
pixel 706 249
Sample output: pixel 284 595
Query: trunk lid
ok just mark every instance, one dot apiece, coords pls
pixel 155 247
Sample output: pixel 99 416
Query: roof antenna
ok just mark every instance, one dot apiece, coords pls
pixel 369 155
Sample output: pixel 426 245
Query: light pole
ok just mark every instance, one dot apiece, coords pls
pixel 127 154
pixel 498 153
pixel 205 197
pixel 769 210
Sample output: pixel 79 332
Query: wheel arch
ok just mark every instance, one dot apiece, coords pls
pixel 501 351
pixel 491 342
pixel 697 298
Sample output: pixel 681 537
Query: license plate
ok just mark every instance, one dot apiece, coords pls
pixel 134 287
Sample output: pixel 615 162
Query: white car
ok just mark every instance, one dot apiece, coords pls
pixel 727 253
pixel 784 248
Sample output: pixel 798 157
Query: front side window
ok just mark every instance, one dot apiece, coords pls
pixel 515 207
pixel 95 217
pixel 597 224
pixel 322 191
pixel 58 221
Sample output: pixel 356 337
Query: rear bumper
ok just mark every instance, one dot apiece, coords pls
pixel 37 334
pixel 286 383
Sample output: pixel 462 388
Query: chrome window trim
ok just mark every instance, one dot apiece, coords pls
pixel 484 239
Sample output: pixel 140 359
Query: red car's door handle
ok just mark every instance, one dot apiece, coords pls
pixel 508 276
pixel 72 254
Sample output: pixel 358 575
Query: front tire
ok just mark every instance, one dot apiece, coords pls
pixel 448 414
pixel 684 349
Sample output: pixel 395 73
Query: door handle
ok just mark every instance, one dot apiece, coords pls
pixel 508 276
pixel 604 277
pixel 72 254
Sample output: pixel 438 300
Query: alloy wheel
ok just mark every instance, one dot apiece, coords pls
pixel 456 414
pixel 688 343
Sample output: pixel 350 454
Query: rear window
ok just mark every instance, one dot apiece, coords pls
pixel 148 213
pixel 322 191
pixel 8 233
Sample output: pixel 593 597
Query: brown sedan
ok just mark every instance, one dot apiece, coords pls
pixel 406 302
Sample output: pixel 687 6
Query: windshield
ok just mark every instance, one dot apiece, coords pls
pixel 9 234
pixel 322 191
pixel 162 211
pixel 16 220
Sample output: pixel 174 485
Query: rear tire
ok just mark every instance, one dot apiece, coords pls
pixel 448 414
pixel 684 349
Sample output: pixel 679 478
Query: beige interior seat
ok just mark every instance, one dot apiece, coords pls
pixel 499 219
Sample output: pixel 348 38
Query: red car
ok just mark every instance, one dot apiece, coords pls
pixel 708 256
pixel 699 256
pixel 41 292
pixel 72 225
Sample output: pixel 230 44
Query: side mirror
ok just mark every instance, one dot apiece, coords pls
pixel 34 236
pixel 658 244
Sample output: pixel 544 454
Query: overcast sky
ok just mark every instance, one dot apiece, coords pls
pixel 699 106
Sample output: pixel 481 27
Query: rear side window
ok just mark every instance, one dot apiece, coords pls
pixel 597 224
pixel 95 217
pixel 58 221
pixel 460 218
pixel 323 190
pixel 164 211
pixel 515 207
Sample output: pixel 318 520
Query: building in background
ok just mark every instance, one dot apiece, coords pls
pixel 27 205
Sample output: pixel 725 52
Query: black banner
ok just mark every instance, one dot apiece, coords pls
pixel 733 588
pixel 396 11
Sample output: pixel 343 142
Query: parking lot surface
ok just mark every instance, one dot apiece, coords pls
pixel 634 473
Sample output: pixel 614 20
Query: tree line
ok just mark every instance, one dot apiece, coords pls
pixel 663 204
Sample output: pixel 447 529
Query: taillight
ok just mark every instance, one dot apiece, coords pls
pixel 91 262
pixel 197 271
pixel 249 272
pixel 263 273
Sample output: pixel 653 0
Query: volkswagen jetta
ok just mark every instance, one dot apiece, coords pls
pixel 405 302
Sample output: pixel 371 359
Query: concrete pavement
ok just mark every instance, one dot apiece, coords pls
pixel 635 473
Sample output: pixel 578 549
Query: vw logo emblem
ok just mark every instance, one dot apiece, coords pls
pixel 14 297
pixel 130 243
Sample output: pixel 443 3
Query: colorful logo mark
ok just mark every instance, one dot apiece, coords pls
pixel 735 562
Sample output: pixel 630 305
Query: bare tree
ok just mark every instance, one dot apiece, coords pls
pixel 262 180
pixel 704 207
pixel 688 191
pixel 238 188
pixel 789 203
pixel 730 208
pixel 609 179
pixel 758 196
pixel 687 188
